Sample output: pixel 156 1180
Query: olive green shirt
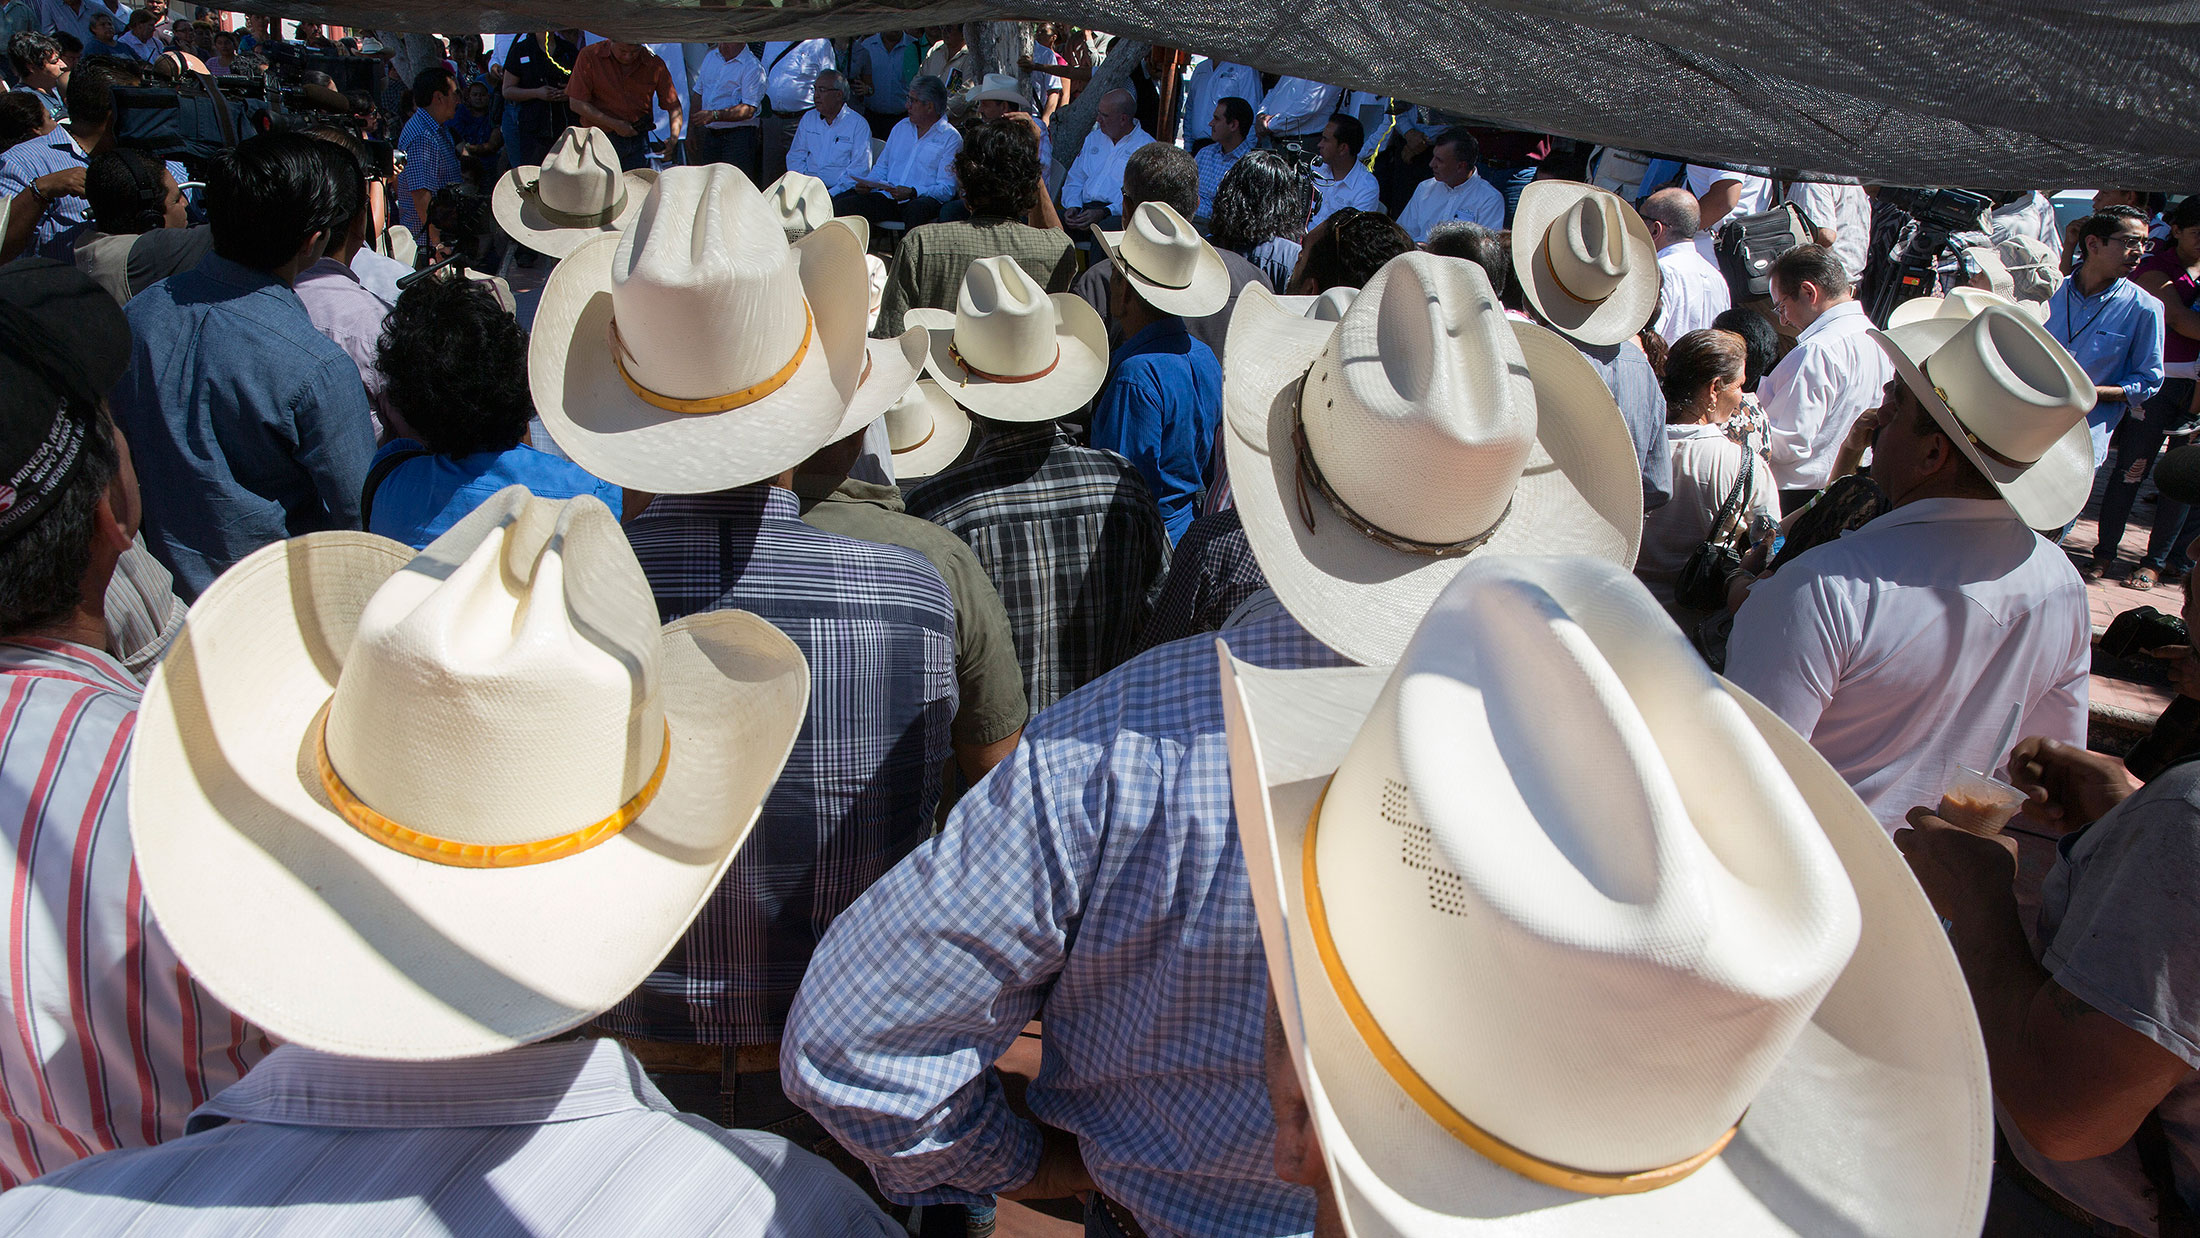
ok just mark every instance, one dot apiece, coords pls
pixel 930 262
pixel 992 707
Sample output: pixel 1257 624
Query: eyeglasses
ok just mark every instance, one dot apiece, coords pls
pixel 2133 242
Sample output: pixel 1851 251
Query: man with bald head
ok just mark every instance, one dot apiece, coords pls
pixel 1695 291
pixel 1093 192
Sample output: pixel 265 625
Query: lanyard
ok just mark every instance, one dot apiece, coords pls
pixel 2070 312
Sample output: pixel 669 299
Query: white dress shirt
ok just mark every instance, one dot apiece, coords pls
pixel 1899 649
pixel 1356 189
pixel 1834 374
pixel 721 84
pixel 1474 200
pixel 1297 106
pixel 565 1138
pixel 790 80
pixel 2032 215
pixel 924 162
pixel 1846 209
pixel 1097 176
pixel 1213 82
pixel 1695 292
pixel 1755 196
pixel 835 151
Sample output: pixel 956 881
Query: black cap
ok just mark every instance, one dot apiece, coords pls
pixel 63 344
pixel 2177 475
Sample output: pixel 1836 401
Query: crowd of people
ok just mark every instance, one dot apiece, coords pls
pixel 1182 675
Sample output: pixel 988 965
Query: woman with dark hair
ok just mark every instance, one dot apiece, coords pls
pixel 1261 211
pixel 455 364
pixel 1762 340
pixel 1703 388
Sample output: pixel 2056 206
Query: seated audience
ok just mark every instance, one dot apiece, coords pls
pixel 1092 193
pixel 915 175
pixel 1260 212
pixel 1454 190
pixel 1703 391
pixel 997 166
pixel 35 60
pixel 1160 173
pixel 1340 183
pixel 141 231
pixel 1232 140
pixel 50 169
pixel 831 142
pixel 104 40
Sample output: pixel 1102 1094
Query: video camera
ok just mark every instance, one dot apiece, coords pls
pixel 1934 216
pixel 199 116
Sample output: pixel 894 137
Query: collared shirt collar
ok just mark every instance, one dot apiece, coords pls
pixel 328 268
pixel 236 274
pixel 2070 288
pixel 815 490
pixel 1676 247
pixel 1851 308
pixel 1004 436
pixel 528 1086
pixel 1151 334
pixel 69 657
pixel 1948 510
pixel 758 501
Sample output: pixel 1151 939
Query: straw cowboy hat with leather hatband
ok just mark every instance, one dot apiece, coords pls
pixel 696 350
pixel 1167 262
pixel 2010 397
pixel 1373 457
pixel 1570 937
pixel 1585 261
pixel 575 194
pixel 435 805
pixel 1009 350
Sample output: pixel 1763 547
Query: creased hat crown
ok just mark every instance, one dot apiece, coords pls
pixel 580 177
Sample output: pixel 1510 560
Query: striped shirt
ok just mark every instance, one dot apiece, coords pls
pixel 565 1138
pixel 109 1043
pixel 1093 880
pixel 861 786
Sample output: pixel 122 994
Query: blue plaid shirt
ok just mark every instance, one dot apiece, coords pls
pixel 861 786
pixel 431 162
pixel 1093 879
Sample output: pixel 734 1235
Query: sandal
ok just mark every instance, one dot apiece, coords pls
pixel 2143 579
pixel 2094 570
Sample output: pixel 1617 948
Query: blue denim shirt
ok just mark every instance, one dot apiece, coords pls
pixel 246 424
pixel 2115 336
pixel 1159 411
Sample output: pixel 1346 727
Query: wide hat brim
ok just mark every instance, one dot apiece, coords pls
pixel 1598 324
pixel 1080 367
pixel 615 434
pixel 305 926
pixel 950 434
pixel 520 213
pixel 2047 494
pixel 1207 293
pixel 1876 1124
pixel 1581 492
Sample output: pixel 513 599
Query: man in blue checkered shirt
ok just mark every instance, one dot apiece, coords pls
pixel 431 162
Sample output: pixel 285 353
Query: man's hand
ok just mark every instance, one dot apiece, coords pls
pixel 2069 787
pixel 619 127
pixel 1061 1172
pixel 1024 63
pixel 1967 877
pixel 1864 431
pixel 901 193
pixel 1416 144
pixel 62 184
pixel 2183 668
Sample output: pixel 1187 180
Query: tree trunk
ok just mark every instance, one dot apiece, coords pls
pixel 414 52
pixel 1072 123
pixel 995 45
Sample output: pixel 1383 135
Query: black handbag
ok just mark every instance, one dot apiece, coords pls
pixel 1701 585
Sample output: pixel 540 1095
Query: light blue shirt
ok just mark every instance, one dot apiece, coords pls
pixel 565 1138
pixel 2116 337
pixel 420 499
pixel 1093 879
pixel 1214 164
pixel 66 217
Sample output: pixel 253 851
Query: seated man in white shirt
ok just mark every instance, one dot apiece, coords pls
pixel 729 101
pixel 1293 112
pixel 1721 195
pixel 1093 192
pixel 1454 190
pixel 1833 375
pixel 831 143
pixel 1695 291
pixel 1212 82
pixel 1840 219
pixel 1899 649
pixel 915 174
pixel 1338 177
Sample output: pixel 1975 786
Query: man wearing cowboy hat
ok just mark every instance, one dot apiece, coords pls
pixel 1589 271
pixel 1160 174
pixel 1900 649
pixel 1453 898
pixel 518 788
pixel 1362 494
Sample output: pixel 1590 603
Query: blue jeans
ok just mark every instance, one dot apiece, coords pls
pixel 2134 448
pixel 1510 179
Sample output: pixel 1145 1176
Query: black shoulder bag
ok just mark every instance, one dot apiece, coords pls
pixel 1702 582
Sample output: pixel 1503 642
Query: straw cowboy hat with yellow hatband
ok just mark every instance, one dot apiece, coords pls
pixel 1569 937
pixel 1167 262
pixel 436 805
pixel 1373 457
pixel 575 194
pixel 1585 261
pixel 2010 397
pixel 1009 350
pixel 696 350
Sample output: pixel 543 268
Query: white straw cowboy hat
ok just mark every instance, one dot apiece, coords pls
pixel 926 431
pixel 1328 307
pixel 1372 457
pixel 1585 261
pixel 1001 88
pixel 2012 400
pixel 1168 262
pixel 576 194
pixel 805 204
pixel 1961 304
pixel 696 351
pixel 1012 352
pixel 1570 938
pixel 438 805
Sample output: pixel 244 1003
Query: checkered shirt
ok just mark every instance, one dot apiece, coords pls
pixel 431 162
pixel 1072 539
pixel 861 786
pixel 1094 880
pixel 1211 572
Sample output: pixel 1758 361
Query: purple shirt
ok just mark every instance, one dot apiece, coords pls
pixel 343 310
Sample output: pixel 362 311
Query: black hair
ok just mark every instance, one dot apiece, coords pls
pixel 1459 238
pixel 429 81
pixel 2105 223
pixel 90 95
pixel 456 366
pixel 30 49
pixel 1263 196
pixel 2185 214
pixel 266 195
pixel 1349 130
pixel 1239 111
pixel 22 114
pixel 1159 172
pixel 42 570
pixel 124 189
pixel 68 43
pixel 1810 263
pixel 1463 143
pixel 148 18
pixel 998 167
pixel 1356 246
pixel 1697 358
pixel 1759 336
pixel 347 177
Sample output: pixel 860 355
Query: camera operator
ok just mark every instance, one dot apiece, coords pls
pixel 141 230
pixel 431 160
pixel 44 177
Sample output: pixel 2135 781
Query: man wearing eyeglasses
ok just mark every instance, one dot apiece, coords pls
pixel 2111 326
